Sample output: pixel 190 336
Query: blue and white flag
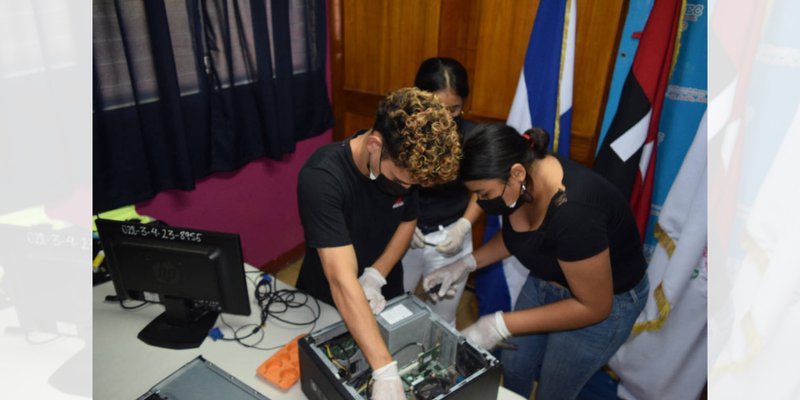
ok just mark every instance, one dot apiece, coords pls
pixel 543 99
pixel 544 92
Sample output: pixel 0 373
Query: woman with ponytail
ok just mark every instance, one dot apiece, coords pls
pixel 446 212
pixel 576 235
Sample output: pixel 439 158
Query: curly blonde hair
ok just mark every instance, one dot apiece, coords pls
pixel 419 136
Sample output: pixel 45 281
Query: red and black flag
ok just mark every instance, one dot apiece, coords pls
pixel 627 154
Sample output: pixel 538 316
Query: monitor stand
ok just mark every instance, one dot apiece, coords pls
pixel 179 326
pixel 72 377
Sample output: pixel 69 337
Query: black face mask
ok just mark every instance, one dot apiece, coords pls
pixel 385 185
pixel 498 206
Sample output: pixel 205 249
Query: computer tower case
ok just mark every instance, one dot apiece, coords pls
pixel 435 361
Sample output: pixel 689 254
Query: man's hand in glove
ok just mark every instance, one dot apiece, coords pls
pixel 372 281
pixel 386 383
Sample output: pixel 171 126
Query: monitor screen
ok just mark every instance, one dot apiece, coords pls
pixel 195 274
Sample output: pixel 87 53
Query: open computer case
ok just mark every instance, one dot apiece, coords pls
pixel 435 361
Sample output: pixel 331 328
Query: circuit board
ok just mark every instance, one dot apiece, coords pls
pixel 433 360
pixel 423 378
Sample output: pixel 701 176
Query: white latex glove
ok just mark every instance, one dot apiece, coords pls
pixel 386 383
pixel 454 241
pixel 488 331
pixel 418 240
pixel 449 275
pixel 372 281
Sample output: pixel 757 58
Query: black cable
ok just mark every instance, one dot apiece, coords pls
pixel 267 296
pixel 136 307
pixel 431 387
pixel 407 346
pixel 271 303
pixel 253 281
pixel 236 337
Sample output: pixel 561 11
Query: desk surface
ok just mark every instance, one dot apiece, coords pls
pixel 30 362
pixel 125 368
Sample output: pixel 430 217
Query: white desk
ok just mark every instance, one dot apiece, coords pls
pixel 27 368
pixel 125 367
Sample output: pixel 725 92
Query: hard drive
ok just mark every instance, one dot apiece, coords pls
pixel 435 361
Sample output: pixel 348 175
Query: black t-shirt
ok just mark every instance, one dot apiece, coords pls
pixel 585 219
pixel 444 204
pixel 340 206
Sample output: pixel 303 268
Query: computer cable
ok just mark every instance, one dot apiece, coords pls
pixel 268 295
pixel 136 307
pixel 272 302
pixel 431 387
pixel 407 345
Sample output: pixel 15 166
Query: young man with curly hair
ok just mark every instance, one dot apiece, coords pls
pixel 358 207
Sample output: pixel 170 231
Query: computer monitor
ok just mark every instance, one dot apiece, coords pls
pixel 195 274
pixel 42 266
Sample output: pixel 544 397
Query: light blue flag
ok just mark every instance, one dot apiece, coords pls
pixel 684 105
pixel 638 12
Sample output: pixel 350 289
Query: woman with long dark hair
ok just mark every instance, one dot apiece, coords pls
pixel 446 212
pixel 576 234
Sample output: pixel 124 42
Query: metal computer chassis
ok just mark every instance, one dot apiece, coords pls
pixel 406 324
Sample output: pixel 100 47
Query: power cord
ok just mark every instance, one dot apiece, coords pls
pixel 136 307
pixel 115 298
pixel 272 303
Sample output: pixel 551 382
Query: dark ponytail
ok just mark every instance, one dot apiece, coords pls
pixel 538 140
pixel 490 150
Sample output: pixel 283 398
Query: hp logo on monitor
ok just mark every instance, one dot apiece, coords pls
pixel 166 273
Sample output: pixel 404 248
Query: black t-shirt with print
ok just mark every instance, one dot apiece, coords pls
pixel 585 219
pixel 340 206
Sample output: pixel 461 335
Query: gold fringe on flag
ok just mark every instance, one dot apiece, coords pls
pixel 663 239
pixel 663 313
pixel 564 38
pixel 678 39
pixel 746 361
pixel 662 303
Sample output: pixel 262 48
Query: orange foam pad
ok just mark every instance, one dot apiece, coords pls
pixel 282 369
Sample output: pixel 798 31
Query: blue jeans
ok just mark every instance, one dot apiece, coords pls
pixel 564 361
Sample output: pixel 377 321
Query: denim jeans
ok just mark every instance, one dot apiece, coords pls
pixel 564 361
